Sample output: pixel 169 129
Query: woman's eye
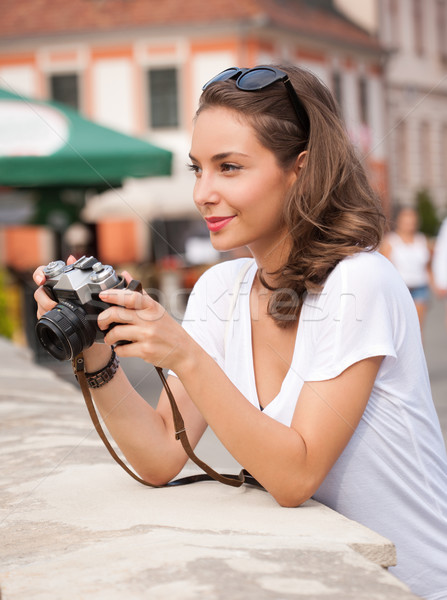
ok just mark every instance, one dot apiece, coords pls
pixel 229 167
pixel 194 168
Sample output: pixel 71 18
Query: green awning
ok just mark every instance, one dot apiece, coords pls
pixel 46 144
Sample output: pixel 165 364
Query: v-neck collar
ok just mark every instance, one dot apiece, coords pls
pixel 249 333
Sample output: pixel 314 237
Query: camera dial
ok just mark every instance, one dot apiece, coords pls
pixel 55 268
pixel 100 272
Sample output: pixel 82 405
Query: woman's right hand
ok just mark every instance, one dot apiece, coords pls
pixel 44 302
pixel 97 355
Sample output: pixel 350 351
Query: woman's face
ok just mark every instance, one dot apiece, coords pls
pixel 240 188
pixel 407 221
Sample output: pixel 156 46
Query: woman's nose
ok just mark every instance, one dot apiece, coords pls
pixel 205 191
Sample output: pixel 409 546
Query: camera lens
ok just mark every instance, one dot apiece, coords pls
pixel 65 331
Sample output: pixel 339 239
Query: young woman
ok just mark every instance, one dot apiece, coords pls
pixel 306 360
pixel 410 252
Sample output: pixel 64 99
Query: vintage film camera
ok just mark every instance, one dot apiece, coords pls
pixel 71 326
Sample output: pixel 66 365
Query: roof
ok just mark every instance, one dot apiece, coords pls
pixel 45 17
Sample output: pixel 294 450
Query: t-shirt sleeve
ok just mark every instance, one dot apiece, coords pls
pixel 207 312
pixel 353 318
pixel 205 317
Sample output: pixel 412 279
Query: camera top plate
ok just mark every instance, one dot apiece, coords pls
pixel 80 281
pixel 85 263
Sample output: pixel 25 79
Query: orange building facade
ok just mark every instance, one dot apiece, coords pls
pixel 142 73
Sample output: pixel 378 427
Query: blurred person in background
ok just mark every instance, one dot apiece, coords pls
pixel 409 251
pixel 440 264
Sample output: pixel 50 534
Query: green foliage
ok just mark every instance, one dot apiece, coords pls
pixel 428 219
pixel 6 322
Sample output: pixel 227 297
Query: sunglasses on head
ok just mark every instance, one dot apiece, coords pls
pixel 258 78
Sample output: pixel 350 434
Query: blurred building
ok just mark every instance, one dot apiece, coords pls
pixel 138 66
pixel 414 32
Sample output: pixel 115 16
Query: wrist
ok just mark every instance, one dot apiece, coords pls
pixel 188 359
pixel 96 357
pixel 97 378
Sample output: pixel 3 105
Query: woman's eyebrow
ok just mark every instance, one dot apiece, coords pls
pixel 221 156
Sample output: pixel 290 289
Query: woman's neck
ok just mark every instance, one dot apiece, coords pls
pixel 406 236
pixel 272 257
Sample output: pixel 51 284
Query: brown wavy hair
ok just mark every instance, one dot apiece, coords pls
pixel 331 212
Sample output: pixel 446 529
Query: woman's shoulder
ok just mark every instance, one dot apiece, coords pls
pixel 365 270
pixel 421 238
pixel 392 239
pixel 371 261
pixel 368 283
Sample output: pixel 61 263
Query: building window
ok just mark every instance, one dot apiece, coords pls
pixel 363 100
pixel 418 27
pixel 65 88
pixel 425 154
pixel 441 20
pixel 163 98
pixel 401 153
pixel 337 89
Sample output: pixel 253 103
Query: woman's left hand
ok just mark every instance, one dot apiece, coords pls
pixel 153 334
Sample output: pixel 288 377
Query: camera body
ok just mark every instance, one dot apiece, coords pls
pixel 72 325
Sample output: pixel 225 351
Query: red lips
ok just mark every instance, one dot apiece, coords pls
pixel 217 223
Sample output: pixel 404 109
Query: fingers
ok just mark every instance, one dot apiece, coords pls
pixel 115 314
pixel 119 333
pixel 131 300
pixel 39 276
pixel 129 315
pixel 44 302
pixel 138 312
pixel 127 276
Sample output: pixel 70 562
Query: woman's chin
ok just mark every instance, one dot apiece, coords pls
pixel 222 245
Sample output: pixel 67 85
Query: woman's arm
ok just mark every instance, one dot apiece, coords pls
pixel 290 462
pixel 145 436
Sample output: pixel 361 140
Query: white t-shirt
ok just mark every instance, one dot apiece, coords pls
pixel 392 476
pixel 410 259
pixel 440 258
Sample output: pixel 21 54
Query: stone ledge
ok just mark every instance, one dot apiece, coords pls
pixel 75 525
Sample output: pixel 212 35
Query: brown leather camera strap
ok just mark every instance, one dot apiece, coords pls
pixel 180 434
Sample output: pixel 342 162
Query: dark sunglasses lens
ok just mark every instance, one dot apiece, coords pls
pixel 257 79
pixel 227 74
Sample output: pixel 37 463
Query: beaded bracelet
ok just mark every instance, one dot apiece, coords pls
pixel 99 378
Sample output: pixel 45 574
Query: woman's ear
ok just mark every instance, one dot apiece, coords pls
pixel 300 161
